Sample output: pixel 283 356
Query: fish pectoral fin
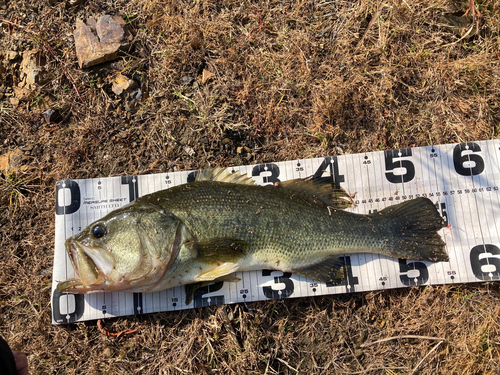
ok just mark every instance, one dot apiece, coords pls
pixel 221 270
pixel 229 278
pixel 327 271
pixel 220 250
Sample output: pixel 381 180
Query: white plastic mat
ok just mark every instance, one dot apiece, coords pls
pixel 461 179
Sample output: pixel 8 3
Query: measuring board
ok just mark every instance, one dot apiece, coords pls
pixel 461 179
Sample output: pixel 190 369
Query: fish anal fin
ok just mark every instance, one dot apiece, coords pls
pixel 327 271
pixel 223 175
pixel 319 188
pixel 218 272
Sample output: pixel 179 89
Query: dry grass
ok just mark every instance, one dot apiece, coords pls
pixel 291 80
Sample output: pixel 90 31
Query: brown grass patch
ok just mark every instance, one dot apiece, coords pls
pixel 291 80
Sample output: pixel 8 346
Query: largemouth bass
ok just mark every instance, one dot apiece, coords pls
pixel 223 223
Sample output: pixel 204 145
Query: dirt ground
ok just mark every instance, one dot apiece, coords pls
pixel 290 80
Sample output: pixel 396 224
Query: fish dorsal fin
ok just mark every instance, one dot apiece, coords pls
pixel 320 189
pixel 223 175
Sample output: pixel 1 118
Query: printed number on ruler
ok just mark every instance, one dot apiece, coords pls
pixel 268 172
pixel 466 159
pixel 349 280
pixel 200 301
pixel 415 273
pixel 67 191
pixel 330 164
pixel 399 168
pixel 485 261
pixel 273 292
pixel 76 301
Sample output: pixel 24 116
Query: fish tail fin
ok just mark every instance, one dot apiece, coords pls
pixel 415 224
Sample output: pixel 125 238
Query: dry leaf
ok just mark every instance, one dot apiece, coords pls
pixel 206 76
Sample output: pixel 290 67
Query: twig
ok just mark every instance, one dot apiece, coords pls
pixel 401 337
pixel 260 27
pixel 287 365
pixel 110 333
pixel 352 352
pixel 370 369
pixel 372 21
pixel 496 53
pixel 49 49
pixel 423 359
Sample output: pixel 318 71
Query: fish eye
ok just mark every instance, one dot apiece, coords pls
pixel 98 231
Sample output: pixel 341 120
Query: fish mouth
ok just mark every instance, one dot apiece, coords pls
pixel 90 269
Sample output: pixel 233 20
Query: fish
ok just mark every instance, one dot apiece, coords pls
pixel 222 223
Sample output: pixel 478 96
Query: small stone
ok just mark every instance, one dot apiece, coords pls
pixel 51 116
pixel 189 150
pixel 100 40
pixel 135 95
pixel 123 84
pixel 12 55
pixel 46 271
pixel 31 67
pixel 22 93
pixel 11 161
pixel 186 80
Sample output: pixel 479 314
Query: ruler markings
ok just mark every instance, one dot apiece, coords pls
pixel 470 202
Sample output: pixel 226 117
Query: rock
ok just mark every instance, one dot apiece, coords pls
pixel 22 93
pixel 189 150
pixel 14 101
pixel 75 2
pixel 11 162
pixel 100 41
pixel 186 80
pixel 123 84
pixel 133 98
pixel 12 55
pixel 51 115
pixel 129 89
pixel 30 68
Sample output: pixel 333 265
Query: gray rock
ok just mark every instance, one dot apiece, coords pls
pixel 51 115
